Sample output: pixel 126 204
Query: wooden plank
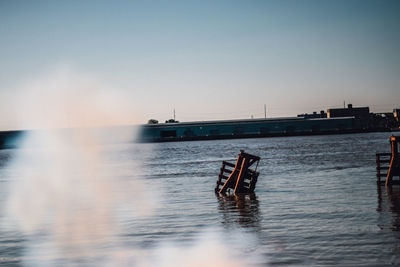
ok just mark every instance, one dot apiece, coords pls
pixel 393 161
pixel 383 168
pixel 228 171
pixel 393 182
pixel 223 176
pixel 240 178
pixel 383 154
pixel 228 164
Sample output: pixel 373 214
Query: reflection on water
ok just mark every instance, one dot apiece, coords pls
pixel 240 209
pixel 389 201
pixel 389 211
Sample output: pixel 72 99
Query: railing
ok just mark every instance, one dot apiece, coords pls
pixel 382 166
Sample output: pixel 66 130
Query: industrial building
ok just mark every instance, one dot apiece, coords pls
pixel 350 111
pixel 334 121
pixel 227 129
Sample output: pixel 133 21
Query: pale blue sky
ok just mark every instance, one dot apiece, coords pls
pixel 209 59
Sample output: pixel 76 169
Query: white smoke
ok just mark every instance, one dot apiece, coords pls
pixel 65 98
pixel 211 248
pixel 64 196
pixel 66 199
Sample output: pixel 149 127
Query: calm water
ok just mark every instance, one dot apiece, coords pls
pixel 316 201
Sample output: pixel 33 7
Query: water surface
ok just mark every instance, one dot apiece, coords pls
pixel 316 201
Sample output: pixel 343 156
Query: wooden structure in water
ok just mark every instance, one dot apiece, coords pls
pixel 241 179
pixel 389 162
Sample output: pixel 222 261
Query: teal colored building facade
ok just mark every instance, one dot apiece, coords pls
pixel 185 131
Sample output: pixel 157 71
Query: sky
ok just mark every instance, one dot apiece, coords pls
pixel 207 60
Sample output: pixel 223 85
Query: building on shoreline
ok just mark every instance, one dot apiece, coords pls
pixel 350 111
pixel 335 121
pixel 231 129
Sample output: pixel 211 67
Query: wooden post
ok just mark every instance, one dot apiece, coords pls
pixel 394 167
pixel 239 182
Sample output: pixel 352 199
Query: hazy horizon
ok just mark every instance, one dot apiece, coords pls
pixel 208 60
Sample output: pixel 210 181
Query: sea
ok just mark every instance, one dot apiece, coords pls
pixel 316 203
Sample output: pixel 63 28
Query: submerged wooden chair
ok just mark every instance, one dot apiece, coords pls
pixel 394 167
pixel 241 179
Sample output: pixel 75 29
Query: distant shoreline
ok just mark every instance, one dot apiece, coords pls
pixel 250 136
pixel 11 139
